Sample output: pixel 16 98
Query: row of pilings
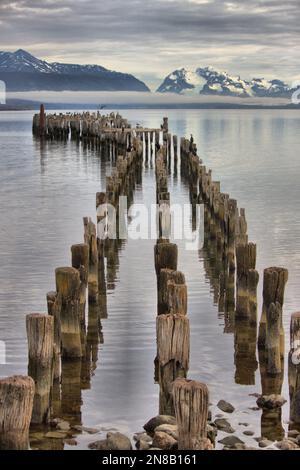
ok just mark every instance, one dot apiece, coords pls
pixel 63 344
pixel 226 235
pixel 187 399
pixel 60 338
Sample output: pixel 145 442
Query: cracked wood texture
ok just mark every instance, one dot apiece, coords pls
pixel 191 401
pixel 16 402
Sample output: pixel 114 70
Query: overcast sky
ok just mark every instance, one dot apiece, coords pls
pixel 152 38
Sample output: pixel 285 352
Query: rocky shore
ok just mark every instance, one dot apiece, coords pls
pixel 161 432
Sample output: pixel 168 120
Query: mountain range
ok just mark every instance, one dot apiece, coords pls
pixel 22 71
pixel 209 81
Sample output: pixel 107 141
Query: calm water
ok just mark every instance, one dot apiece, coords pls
pixel 47 188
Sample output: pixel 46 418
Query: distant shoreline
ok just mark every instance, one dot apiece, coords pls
pixel 191 106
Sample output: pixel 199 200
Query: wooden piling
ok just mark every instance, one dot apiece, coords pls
pixel 173 349
pixel 273 325
pixel 101 200
pixel 68 286
pixel 173 340
pixel 274 283
pixel 16 399
pixel 247 277
pixel 166 276
pixel 80 261
pixel 54 304
pixel 191 402
pixel 294 368
pixel 175 147
pixel 177 298
pixel 165 256
pixel 42 121
pixel 90 238
pixel 165 125
pixel 295 331
pixel 40 336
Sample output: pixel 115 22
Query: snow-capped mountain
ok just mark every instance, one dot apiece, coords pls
pixel 209 81
pixel 23 72
pixel 180 80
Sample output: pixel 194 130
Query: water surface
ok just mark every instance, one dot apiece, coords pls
pixel 46 189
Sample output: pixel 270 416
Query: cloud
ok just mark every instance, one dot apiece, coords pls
pixel 150 39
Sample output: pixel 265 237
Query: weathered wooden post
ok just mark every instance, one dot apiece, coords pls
pixel 165 256
pixel 232 221
pixel 157 141
pixel 275 280
pixel 80 261
pixel 42 121
pixel 247 278
pixel 295 331
pixel 40 336
pixel 165 125
pixel 175 147
pixel 169 151
pixel 101 208
pixel 146 147
pixel 241 228
pixel 54 303
pixel 177 298
pixel 16 399
pixel 90 238
pixel 273 317
pixel 191 400
pixel 294 368
pixel 68 286
pixel 173 350
pixel 273 292
pixel 166 276
pixel 101 280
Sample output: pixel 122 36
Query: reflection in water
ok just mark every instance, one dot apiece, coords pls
pixel 56 398
pixel 71 399
pixel 271 420
pixel 217 272
pixel 93 338
pixel 76 375
pixel 271 424
pixel 58 185
pixel 245 337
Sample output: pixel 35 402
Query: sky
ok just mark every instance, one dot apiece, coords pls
pixel 150 39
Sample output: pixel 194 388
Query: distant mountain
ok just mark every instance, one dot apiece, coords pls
pixel 22 71
pixel 209 81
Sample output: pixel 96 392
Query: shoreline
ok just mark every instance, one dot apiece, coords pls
pixel 195 106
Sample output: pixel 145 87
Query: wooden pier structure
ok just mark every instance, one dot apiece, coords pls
pixel 63 343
